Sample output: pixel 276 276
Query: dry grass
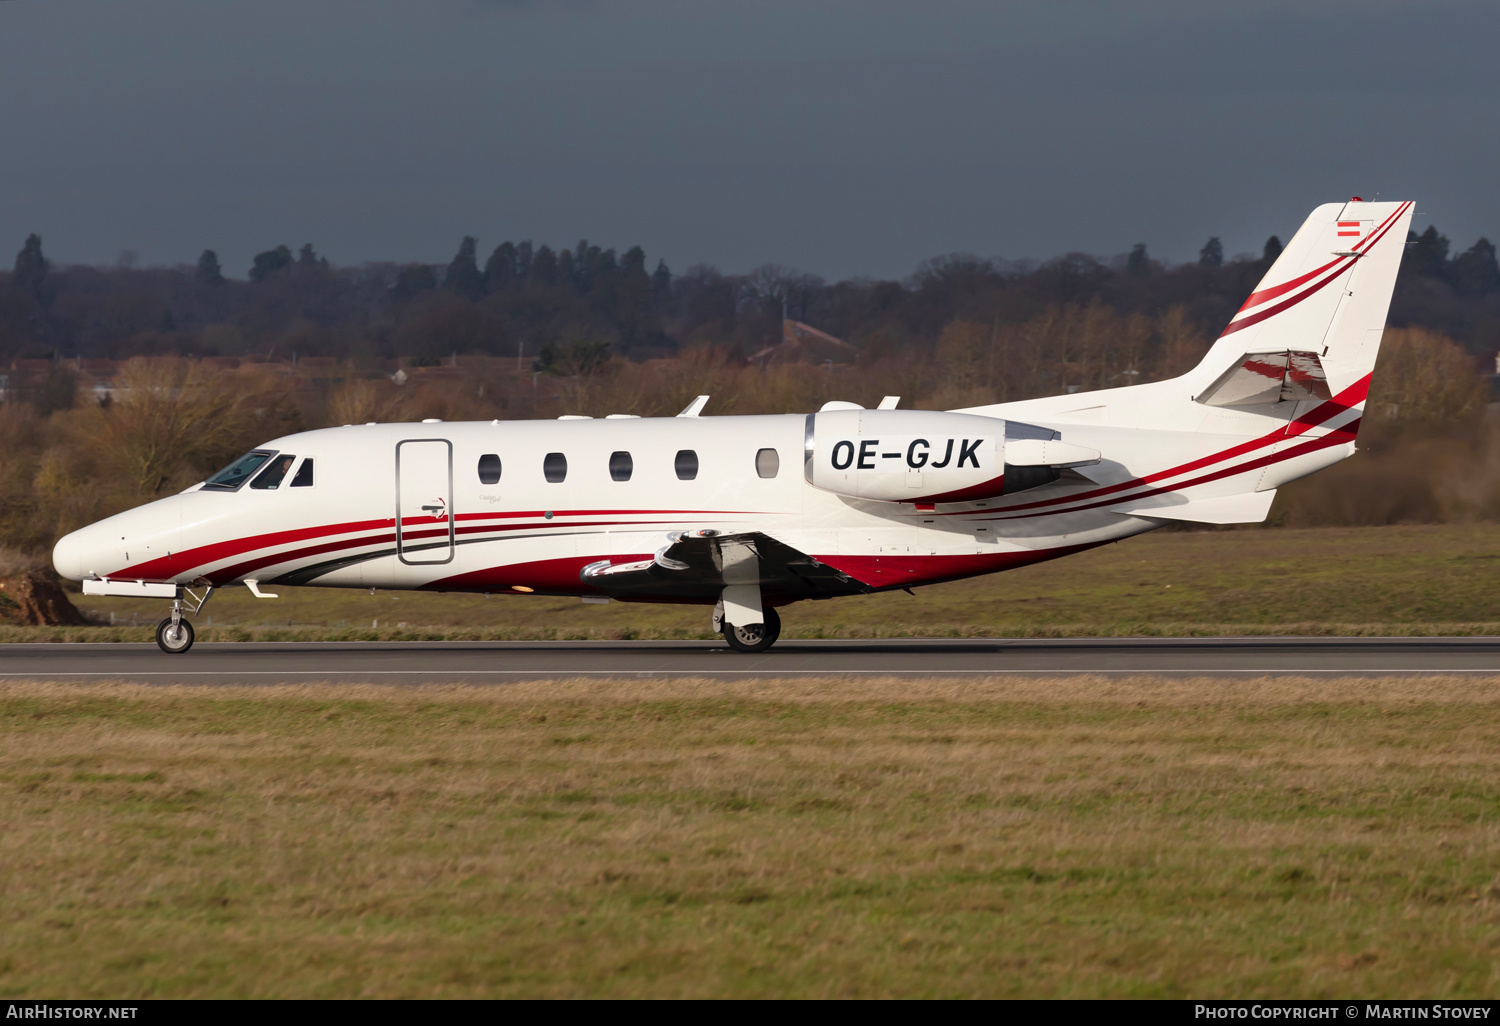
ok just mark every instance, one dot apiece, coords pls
pixel 821 837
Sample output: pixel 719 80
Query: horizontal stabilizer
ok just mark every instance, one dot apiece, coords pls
pixel 1279 376
pixel 1247 508
pixel 1036 452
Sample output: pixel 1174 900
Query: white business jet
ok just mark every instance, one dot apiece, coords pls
pixel 747 514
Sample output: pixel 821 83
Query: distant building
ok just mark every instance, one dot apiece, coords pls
pixel 802 343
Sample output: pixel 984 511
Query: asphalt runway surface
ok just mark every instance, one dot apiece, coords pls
pixel 495 662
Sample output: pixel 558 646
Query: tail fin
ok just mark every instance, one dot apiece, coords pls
pixel 1326 295
pixel 1310 331
pixel 1279 396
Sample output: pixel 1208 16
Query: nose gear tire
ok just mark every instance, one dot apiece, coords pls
pixel 174 642
pixel 757 637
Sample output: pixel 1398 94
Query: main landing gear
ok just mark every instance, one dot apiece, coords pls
pixel 757 637
pixel 741 601
pixel 174 635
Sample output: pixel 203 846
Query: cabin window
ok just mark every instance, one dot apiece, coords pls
pixel 686 464
pixel 274 473
pixel 237 473
pixel 767 462
pixel 555 467
pixel 620 466
pixel 489 469
pixel 304 478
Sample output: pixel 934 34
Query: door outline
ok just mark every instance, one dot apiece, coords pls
pixel 447 499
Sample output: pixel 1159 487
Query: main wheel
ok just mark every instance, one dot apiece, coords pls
pixel 757 637
pixel 175 640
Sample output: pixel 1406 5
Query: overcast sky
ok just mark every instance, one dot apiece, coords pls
pixel 841 137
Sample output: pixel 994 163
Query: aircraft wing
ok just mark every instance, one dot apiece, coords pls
pixel 697 565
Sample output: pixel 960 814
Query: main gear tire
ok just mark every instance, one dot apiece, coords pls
pixel 174 641
pixel 757 637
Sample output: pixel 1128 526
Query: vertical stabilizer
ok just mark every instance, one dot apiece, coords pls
pixel 1327 293
pixel 1293 362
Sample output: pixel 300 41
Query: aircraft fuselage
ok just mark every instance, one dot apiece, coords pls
pixel 525 506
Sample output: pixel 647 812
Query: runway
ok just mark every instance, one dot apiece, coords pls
pixel 504 662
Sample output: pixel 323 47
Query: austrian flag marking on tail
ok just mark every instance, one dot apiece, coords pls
pixel 1352 229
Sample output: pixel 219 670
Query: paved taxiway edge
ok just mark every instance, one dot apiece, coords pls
pixel 509 662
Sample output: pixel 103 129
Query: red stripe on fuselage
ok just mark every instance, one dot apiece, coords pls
pixel 232 573
pixel 906 571
pixel 984 490
pixel 1339 437
pixel 1341 403
pixel 189 560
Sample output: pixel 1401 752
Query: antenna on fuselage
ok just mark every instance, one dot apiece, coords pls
pixel 695 407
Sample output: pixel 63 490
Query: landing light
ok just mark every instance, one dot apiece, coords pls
pixel 522 587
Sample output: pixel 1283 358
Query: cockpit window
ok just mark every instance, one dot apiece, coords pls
pixel 237 473
pixel 304 478
pixel 275 471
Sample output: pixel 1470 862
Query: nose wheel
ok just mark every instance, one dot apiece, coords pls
pixel 757 637
pixel 174 635
pixel 174 638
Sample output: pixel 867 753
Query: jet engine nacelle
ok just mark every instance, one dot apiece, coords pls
pixel 906 455
pixel 929 456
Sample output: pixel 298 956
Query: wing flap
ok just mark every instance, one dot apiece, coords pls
pixel 698 565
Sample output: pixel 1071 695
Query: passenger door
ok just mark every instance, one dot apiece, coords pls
pixel 424 501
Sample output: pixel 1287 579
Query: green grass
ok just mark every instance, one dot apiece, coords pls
pixel 1078 837
pixel 1431 579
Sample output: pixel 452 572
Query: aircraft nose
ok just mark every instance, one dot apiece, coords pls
pixel 68 555
pixel 143 537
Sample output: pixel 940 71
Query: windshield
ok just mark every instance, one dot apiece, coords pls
pixel 275 471
pixel 231 477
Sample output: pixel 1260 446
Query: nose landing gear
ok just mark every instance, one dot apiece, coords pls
pixel 174 635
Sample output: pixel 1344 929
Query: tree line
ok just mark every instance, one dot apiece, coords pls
pixel 557 306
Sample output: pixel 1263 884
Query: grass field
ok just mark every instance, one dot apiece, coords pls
pixel 1429 579
pixel 1080 837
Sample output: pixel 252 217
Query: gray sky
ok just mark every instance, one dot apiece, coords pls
pixel 841 137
